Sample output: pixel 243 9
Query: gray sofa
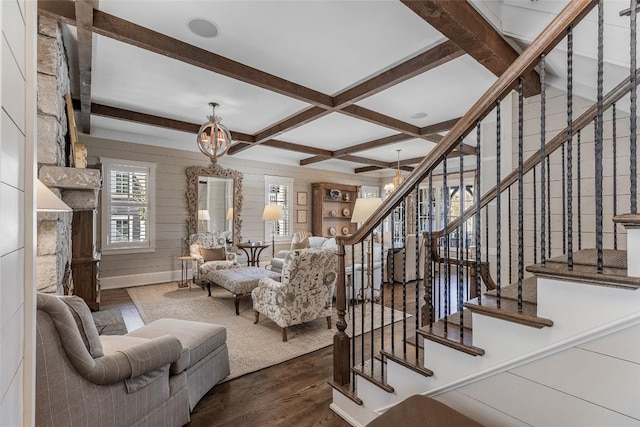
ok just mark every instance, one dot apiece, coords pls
pixel 153 376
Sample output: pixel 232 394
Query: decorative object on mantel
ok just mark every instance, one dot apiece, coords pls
pixel 273 213
pixel 346 197
pixel 346 212
pixel 345 230
pixel 334 212
pixel 213 138
pixel 335 194
pixel 332 231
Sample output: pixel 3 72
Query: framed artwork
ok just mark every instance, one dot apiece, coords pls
pixel 302 216
pixel 302 200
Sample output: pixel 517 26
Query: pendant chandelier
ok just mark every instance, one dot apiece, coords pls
pixel 398 178
pixel 213 138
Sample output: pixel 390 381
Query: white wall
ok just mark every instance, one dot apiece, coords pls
pixel 17 287
pixel 171 216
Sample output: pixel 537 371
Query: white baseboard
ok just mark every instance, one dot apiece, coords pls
pixel 118 282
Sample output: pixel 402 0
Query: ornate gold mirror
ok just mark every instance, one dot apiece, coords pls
pixel 214 200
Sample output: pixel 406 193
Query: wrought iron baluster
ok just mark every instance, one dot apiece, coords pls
pixel 417 258
pixel 447 267
pixel 598 139
pixel 543 170
pixel 382 283
pixel 579 184
pixel 498 207
pixel 535 217
pixel 633 160
pixel 570 148
pixel 520 192
pixel 477 219
pixel 404 277
pixel 364 304
pixel 549 205
pixel 429 253
pixel 564 201
pixel 509 234
pixel 461 194
pixel 392 281
pixel 614 147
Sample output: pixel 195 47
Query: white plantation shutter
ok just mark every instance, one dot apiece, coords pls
pixel 128 209
pixel 279 191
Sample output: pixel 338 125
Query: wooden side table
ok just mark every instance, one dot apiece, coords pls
pixel 184 279
pixel 253 251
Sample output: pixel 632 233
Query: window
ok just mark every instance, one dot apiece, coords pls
pixel 278 191
pixel 128 206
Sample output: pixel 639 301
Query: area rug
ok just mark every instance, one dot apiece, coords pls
pixel 251 347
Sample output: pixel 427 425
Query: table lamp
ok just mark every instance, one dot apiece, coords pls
pixel 273 213
pixel 362 210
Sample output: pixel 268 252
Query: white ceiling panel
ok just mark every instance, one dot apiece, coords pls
pixel 443 93
pixel 158 85
pixel 335 131
pixel 324 45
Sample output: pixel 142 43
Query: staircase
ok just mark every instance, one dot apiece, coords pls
pixel 519 296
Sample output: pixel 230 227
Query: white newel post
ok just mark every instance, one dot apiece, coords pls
pixel 632 223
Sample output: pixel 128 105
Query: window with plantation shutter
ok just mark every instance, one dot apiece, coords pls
pixel 128 208
pixel 278 191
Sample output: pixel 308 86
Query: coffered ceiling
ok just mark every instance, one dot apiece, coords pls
pixel 337 85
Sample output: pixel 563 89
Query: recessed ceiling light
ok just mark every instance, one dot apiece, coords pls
pixel 420 115
pixel 203 27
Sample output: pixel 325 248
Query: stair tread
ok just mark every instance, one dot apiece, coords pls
pixel 374 371
pixel 529 290
pixel 346 390
pixel 612 258
pixel 584 270
pixel 508 310
pixel 408 360
pixel 454 319
pixel 452 338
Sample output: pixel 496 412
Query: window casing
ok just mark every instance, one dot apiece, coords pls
pixel 128 206
pixel 278 190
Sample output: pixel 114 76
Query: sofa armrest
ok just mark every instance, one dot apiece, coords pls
pixel 128 361
pixel 282 254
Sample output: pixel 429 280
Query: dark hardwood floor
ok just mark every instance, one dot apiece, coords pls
pixel 293 393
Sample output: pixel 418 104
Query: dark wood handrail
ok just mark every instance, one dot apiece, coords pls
pixel 544 43
pixel 556 142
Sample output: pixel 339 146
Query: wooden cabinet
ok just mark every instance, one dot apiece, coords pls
pixel 85 260
pixel 331 209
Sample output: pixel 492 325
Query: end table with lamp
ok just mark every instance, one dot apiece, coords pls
pixel 273 213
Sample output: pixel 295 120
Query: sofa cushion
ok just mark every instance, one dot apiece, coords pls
pixel 316 242
pixel 87 327
pixel 198 338
pixel 213 254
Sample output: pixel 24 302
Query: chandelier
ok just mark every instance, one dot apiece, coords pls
pixel 213 138
pixel 398 178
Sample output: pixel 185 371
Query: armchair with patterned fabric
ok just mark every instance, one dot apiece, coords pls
pixel 304 293
pixel 210 253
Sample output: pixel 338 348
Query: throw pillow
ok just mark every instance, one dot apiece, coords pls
pixel 213 254
pixel 302 244
pixel 86 326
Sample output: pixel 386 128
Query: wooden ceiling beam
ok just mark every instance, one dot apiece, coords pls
pixel 371 116
pixel 461 23
pixel 84 19
pixel 432 58
pixel 315 159
pixel 296 147
pixel 149 119
pixel 439 127
pixel 367 169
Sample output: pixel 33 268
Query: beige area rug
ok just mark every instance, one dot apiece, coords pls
pixel 251 347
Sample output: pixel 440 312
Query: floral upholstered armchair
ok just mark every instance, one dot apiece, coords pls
pixel 305 292
pixel 210 253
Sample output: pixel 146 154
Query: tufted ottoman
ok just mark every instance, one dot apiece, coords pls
pixel 240 281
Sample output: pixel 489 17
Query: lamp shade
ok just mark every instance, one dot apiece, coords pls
pixel 49 202
pixel 229 214
pixel 203 215
pixel 364 208
pixel 272 213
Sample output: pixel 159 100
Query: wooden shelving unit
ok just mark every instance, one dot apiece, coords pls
pixel 331 207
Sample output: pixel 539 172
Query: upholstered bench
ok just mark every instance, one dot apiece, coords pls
pixel 240 281
pixel 204 355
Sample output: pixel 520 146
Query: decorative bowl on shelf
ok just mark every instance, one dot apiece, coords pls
pixel 332 231
pixel 334 213
pixel 345 230
pixel 346 212
pixel 335 194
